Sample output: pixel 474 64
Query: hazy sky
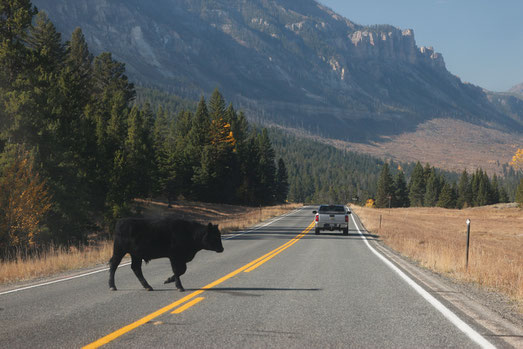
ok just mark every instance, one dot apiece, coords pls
pixel 481 40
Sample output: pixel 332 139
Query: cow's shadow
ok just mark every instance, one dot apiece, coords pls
pixel 234 291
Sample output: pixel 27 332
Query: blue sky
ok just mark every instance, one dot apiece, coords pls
pixel 481 40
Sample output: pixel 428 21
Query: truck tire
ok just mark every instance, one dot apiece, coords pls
pixel 345 231
pixel 317 231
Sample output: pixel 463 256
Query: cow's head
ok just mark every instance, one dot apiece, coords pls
pixel 212 239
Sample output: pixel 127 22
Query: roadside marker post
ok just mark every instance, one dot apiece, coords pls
pixel 468 244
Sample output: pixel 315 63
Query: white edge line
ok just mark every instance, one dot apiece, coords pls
pixel 469 331
pixel 60 280
pixel 124 264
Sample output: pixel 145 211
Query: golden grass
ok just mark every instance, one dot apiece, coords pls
pixel 53 261
pixel 57 260
pixel 436 238
pixel 252 216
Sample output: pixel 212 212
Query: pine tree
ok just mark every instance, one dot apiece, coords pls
pixel 16 18
pixel 427 170
pixel 266 168
pixel 76 87
pixel 401 194
pixel 39 122
pixel 139 154
pixel 519 193
pixel 199 135
pixel 431 192
pixel 79 69
pixel 474 184
pixel 385 188
pixel 464 191
pixel 447 198
pixel 63 137
pixel 161 152
pixel 240 128
pixel 417 186
pixel 282 181
pixel 494 190
pixel 503 196
pixel 481 189
pixel 250 189
pixel 482 197
pixel 110 79
pixel 217 105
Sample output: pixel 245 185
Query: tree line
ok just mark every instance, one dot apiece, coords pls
pixel 76 149
pixel 429 188
pixel 320 173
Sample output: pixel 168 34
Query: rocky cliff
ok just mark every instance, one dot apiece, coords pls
pixel 295 63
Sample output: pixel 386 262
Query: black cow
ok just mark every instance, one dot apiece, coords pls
pixel 147 239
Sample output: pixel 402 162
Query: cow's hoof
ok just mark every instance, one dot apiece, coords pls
pixel 181 289
pixel 169 280
pixel 112 288
pixel 149 288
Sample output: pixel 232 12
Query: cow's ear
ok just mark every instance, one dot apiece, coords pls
pixel 209 226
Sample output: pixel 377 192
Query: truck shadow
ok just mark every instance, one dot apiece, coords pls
pixel 251 291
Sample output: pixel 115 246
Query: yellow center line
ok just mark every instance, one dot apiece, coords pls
pixel 118 333
pixel 187 305
pixel 281 249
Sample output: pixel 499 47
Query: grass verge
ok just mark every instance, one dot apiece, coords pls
pixel 436 238
pixel 56 260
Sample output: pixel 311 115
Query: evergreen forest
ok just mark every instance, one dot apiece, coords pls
pixel 77 146
pixel 79 143
pixel 429 187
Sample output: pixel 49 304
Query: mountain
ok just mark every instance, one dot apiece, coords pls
pixel 518 89
pixel 293 63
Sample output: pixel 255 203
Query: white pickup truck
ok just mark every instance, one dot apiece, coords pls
pixel 332 217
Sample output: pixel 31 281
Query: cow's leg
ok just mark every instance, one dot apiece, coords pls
pixel 172 278
pixel 136 266
pixel 169 280
pixel 179 269
pixel 114 262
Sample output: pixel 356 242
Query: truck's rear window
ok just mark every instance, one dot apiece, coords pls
pixel 337 209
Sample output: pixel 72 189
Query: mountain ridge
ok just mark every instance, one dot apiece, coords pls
pixel 517 89
pixel 296 64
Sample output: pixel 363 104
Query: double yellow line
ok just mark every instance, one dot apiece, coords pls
pixel 277 251
pixel 246 268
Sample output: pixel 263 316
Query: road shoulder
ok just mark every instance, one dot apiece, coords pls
pixel 497 314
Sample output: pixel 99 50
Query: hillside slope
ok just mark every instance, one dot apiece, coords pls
pixel 294 63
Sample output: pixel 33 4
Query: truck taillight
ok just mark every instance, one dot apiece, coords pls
pixel 317 218
pixel 347 218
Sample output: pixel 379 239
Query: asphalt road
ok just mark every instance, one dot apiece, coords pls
pixel 326 291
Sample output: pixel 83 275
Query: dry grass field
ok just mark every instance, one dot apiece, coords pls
pixel 435 142
pixel 436 238
pixel 57 260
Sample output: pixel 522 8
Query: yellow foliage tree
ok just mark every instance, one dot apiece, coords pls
pixel 221 133
pixel 517 160
pixel 370 203
pixel 24 201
